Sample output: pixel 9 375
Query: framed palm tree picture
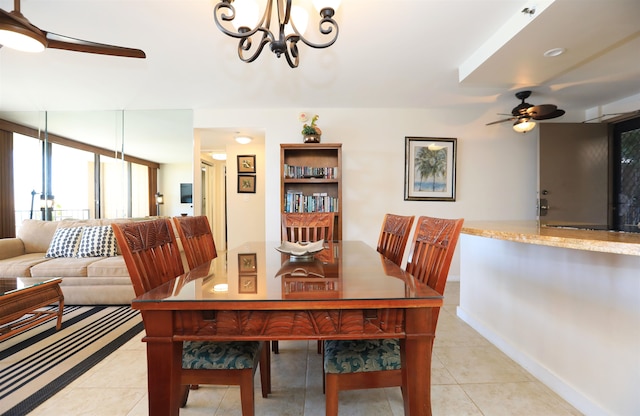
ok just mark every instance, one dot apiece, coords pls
pixel 430 169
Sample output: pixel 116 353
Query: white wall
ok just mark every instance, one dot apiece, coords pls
pixel 245 211
pixel 496 167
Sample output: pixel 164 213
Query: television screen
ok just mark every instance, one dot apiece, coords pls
pixel 186 193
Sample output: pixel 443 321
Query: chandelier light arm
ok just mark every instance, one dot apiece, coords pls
pixel 280 44
pixel 326 26
pixel 220 12
pixel 244 45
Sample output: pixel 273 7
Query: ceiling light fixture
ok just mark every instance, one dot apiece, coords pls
pixel 219 156
pixel 523 125
pixel 243 139
pixel 17 33
pixel 286 35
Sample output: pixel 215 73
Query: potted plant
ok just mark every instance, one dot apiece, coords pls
pixel 311 132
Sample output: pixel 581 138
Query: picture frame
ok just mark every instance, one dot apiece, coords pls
pixel 248 283
pixel 430 169
pixel 247 263
pixel 246 163
pixel 246 184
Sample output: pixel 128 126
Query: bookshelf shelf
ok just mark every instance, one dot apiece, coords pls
pixel 311 179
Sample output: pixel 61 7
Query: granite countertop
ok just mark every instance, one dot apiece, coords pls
pixel 531 232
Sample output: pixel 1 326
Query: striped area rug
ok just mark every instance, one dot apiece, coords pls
pixel 37 363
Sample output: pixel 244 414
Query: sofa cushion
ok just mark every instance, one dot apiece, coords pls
pixel 63 267
pixel 36 235
pixel 64 243
pixel 98 241
pixel 108 267
pixel 20 266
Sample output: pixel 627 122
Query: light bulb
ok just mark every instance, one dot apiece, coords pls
pixel 246 14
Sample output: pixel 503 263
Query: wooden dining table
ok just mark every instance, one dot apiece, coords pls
pixel 255 292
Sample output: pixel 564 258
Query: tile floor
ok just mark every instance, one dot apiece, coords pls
pixel 469 377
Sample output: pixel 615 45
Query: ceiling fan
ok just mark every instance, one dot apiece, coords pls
pixel 18 33
pixel 524 113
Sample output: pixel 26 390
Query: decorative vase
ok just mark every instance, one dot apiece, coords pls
pixel 312 138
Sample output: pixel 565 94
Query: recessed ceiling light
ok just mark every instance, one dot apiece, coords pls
pixel 219 156
pixel 554 52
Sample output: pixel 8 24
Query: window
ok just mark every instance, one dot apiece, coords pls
pixel 626 145
pixel 71 182
pixel 27 177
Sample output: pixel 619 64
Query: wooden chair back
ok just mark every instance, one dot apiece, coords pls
pixel 429 260
pixel 308 226
pixel 394 236
pixel 197 240
pixel 150 252
pixel 432 249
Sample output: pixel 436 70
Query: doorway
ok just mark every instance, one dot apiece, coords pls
pixel 214 204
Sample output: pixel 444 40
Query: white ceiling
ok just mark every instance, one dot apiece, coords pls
pixel 403 54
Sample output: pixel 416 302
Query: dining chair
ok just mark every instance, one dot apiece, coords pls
pixel 152 256
pixel 306 227
pixel 365 364
pixel 196 238
pixel 394 236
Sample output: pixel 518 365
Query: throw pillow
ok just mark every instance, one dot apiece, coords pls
pixel 97 241
pixel 64 242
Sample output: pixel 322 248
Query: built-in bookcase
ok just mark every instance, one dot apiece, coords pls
pixel 311 179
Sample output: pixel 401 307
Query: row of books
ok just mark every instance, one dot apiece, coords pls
pixel 306 286
pixel 302 172
pixel 296 201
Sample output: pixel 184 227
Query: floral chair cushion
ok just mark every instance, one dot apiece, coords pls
pixel 207 355
pixel 349 356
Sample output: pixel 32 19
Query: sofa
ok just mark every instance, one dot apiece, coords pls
pixel 83 253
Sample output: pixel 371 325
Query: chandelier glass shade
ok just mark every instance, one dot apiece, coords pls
pixel 282 35
pixel 523 125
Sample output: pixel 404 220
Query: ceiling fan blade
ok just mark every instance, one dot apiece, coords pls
pixel 56 41
pixel 541 110
pixel 553 114
pixel 501 121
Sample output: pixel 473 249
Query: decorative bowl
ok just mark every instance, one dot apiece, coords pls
pixel 301 250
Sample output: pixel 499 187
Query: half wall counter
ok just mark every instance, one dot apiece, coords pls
pixel 563 303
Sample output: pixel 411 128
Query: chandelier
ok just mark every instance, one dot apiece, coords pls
pixel 285 35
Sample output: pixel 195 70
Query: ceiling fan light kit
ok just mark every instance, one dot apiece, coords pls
pixel 524 125
pixel 524 113
pixel 284 37
pixel 16 32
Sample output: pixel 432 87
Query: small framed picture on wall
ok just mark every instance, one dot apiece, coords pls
pixel 246 164
pixel 246 184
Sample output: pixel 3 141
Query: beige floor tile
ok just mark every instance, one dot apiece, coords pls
pixel 451 400
pixel 507 399
pixel 91 402
pixel 480 365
